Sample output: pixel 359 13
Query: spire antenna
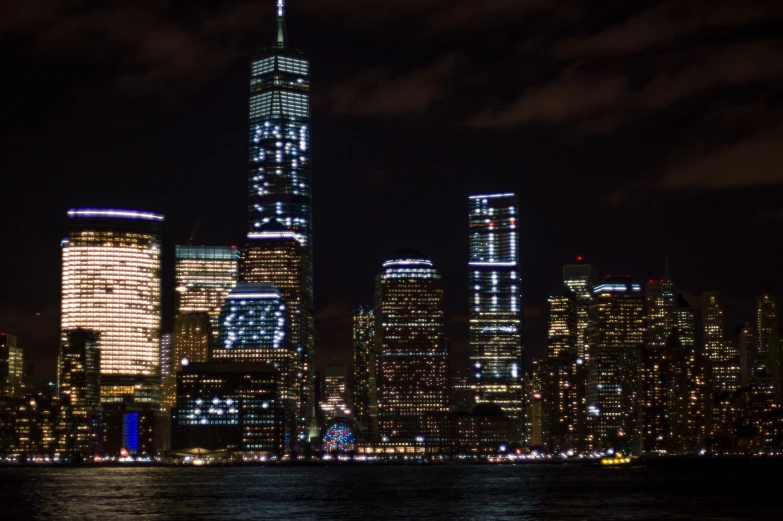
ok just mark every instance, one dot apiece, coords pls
pixel 281 32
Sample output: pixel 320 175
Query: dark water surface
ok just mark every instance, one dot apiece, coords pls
pixel 681 490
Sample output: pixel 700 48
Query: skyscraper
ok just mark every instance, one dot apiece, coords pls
pixel 79 386
pixel 254 329
pixel 204 276
pixel 336 400
pixel 613 386
pixel 562 376
pixel 724 357
pixel 10 367
pixel 496 305
pixel 275 255
pixel 279 179
pixel 581 279
pixel 364 367
pixel 411 346
pixel 766 361
pixel 111 285
pixel 661 309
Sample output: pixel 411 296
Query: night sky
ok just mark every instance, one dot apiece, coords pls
pixel 629 130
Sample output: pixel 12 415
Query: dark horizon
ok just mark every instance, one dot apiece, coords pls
pixel 627 132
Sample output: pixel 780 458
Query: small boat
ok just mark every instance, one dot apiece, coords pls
pixel 619 460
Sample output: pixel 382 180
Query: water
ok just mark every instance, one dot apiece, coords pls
pixel 715 490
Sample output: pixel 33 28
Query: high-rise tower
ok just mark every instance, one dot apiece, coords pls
pixel 613 385
pixel 111 285
pixel 364 366
pixel 280 215
pixel 496 305
pixel 581 278
pixel 411 346
pixel 722 354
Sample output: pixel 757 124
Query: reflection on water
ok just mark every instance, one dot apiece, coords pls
pixel 693 490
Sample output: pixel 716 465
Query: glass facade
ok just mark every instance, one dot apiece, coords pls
pixel 254 329
pixel 10 367
pixel 336 400
pixel 581 279
pixel 718 349
pixel 613 379
pixel 496 305
pixel 364 370
pixel 111 284
pixel 204 277
pixel 234 407
pixel 274 255
pixel 79 380
pixel 279 190
pixel 412 353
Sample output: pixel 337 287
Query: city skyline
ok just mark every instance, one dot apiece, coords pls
pixel 432 208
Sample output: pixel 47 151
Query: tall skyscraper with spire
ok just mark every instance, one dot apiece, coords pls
pixel 279 193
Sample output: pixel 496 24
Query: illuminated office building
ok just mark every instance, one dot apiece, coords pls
pixel 275 255
pixel 766 362
pixel 166 367
pixel 111 285
pixel 234 407
pixel 10 367
pixel 562 376
pixel 613 386
pixel 581 279
pixel 496 305
pixel 336 400
pixel 364 366
pixel 254 329
pixel 562 332
pixel 279 179
pixel 79 383
pixel 192 336
pixel 661 308
pixel 411 346
pixel 204 276
pixel 724 357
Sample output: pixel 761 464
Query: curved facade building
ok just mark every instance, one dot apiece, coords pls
pixel 111 285
pixel 411 347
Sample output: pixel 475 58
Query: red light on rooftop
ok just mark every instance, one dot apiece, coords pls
pixel 579 258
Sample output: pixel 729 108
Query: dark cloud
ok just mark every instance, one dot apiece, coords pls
pixel 753 161
pixel 600 100
pixel 668 22
pixel 386 92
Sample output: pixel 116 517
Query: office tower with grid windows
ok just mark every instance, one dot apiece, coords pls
pixel 111 284
pixel 279 188
pixel 204 276
pixel 581 278
pixel 412 352
pixel 614 385
pixel 721 353
pixel 496 305
pixel 364 371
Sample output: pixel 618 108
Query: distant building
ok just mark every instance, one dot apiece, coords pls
pixel 581 279
pixel 231 406
pixel 111 285
pixel 766 362
pixel 722 354
pixel 411 347
pixel 496 304
pixel 79 384
pixel 614 387
pixel 365 399
pixel 11 363
pixel 563 376
pixel 661 310
pixel 336 400
pixel 204 276
pixel 166 367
